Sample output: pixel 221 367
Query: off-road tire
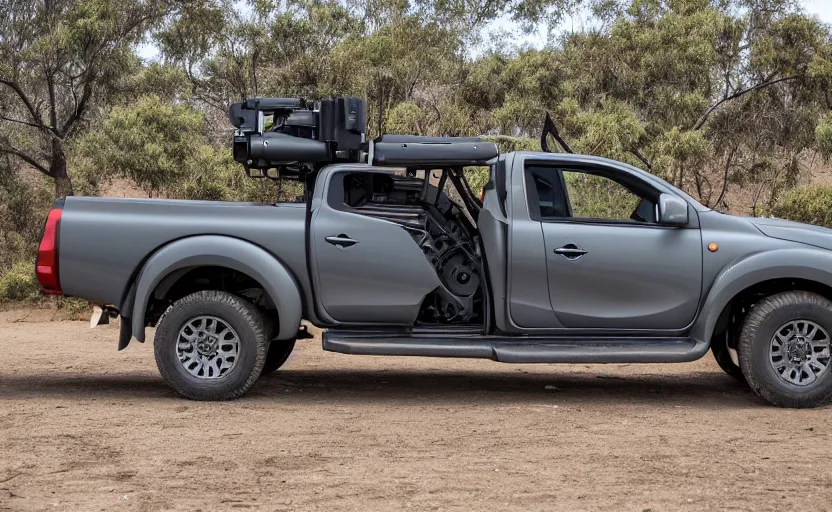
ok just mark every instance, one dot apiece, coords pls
pixel 754 348
pixel 279 352
pixel 723 359
pixel 242 316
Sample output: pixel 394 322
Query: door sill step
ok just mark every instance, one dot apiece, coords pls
pixel 519 349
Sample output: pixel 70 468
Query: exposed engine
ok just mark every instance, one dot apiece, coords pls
pixel 440 228
pixel 454 256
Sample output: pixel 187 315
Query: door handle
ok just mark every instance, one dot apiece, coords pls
pixel 341 240
pixel 570 251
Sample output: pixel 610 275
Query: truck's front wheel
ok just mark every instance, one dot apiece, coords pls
pixel 784 349
pixel 721 353
pixel 211 345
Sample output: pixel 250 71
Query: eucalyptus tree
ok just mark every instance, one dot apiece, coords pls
pixel 58 60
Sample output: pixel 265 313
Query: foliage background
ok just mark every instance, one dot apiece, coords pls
pixel 728 99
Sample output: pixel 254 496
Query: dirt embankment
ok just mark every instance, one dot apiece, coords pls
pixel 84 427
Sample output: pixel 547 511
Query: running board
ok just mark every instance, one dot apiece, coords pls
pixel 518 349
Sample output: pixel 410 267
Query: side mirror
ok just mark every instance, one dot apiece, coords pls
pixel 673 210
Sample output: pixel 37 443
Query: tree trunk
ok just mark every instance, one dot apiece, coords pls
pixel 58 172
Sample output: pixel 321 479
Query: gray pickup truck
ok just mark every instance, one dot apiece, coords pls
pixel 564 259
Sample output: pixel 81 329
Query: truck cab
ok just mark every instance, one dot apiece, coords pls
pixel 556 247
pixel 412 253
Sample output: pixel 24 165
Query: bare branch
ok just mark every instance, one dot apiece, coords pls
pixel 26 158
pixel 53 107
pixel 78 111
pixel 738 94
pixel 18 121
pixel 725 177
pixel 638 154
pixel 25 99
pixel 697 180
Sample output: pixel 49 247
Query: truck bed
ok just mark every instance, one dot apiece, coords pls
pixel 104 241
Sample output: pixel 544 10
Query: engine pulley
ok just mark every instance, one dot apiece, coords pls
pixel 460 276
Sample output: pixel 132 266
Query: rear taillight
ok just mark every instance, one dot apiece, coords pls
pixel 47 265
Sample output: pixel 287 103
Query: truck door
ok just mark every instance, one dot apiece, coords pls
pixel 609 263
pixel 365 269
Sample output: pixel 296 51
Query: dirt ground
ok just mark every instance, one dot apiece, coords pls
pixel 84 427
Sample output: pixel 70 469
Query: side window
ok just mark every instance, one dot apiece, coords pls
pixel 596 197
pixel 545 191
pixel 357 190
pixel 381 192
pixel 568 193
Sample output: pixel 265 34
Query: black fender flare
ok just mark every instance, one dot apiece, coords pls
pixel 806 263
pixel 220 251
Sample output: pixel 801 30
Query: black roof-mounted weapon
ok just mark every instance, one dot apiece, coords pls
pixel 288 134
pixel 409 150
pixel 288 137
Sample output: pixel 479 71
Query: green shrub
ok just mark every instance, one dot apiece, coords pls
pixel 810 204
pixel 478 176
pixel 24 201
pixel 508 144
pixel 75 308
pixel 823 136
pixel 406 117
pixel 19 283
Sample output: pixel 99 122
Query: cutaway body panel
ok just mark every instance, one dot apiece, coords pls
pixel 391 248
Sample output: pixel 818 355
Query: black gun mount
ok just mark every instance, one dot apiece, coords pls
pixel 294 137
pixel 288 137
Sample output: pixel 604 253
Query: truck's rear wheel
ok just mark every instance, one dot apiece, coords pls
pixel 279 352
pixel 211 345
pixel 785 349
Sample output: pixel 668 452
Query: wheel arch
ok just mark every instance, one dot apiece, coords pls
pixel 744 282
pixel 170 263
